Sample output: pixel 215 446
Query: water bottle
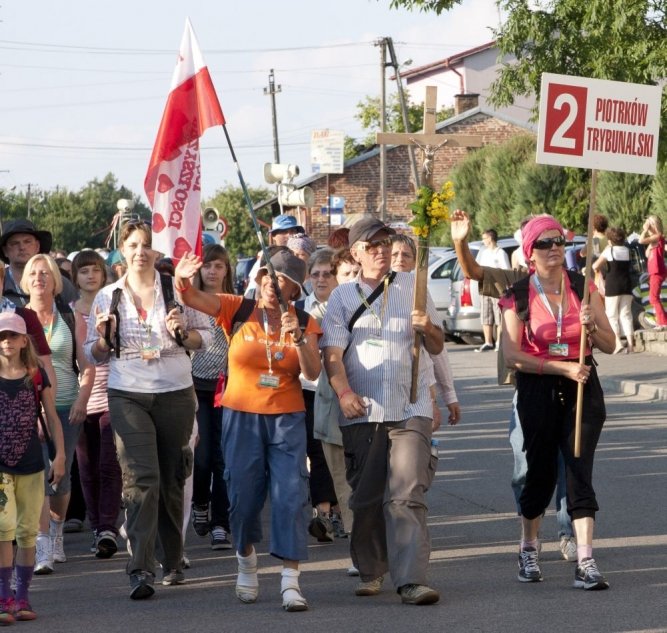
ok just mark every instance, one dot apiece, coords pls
pixel 435 445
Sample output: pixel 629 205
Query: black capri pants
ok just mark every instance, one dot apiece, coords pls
pixel 547 407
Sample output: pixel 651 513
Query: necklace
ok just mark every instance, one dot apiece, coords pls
pixel 279 355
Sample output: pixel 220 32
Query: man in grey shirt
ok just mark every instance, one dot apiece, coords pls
pixel 386 438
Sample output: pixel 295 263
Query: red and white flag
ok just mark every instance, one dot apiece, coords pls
pixel 172 181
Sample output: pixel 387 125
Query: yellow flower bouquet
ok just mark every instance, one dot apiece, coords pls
pixel 430 209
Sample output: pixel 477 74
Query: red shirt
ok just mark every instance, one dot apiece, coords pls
pixel 542 332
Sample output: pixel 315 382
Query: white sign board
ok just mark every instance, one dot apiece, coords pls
pixel 598 124
pixel 327 151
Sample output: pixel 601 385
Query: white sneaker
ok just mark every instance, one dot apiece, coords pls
pixel 44 555
pixel 58 545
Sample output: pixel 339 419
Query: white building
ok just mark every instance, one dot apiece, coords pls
pixel 470 72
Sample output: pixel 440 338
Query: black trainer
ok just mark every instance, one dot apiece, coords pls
pixel 141 584
pixel 529 568
pixel 321 528
pixel 587 576
pixel 200 520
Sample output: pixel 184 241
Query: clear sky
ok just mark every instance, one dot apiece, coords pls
pixel 83 83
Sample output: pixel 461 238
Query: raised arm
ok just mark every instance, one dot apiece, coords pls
pixel 190 296
pixel 460 228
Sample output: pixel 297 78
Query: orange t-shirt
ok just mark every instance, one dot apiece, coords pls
pixel 247 362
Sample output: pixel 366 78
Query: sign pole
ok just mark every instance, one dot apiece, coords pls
pixel 586 298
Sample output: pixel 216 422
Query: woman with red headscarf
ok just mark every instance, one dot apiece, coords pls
pixel 542 320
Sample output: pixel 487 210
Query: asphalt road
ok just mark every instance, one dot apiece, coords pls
pixel 475 536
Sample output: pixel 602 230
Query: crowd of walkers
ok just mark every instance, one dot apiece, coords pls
pixel 177 398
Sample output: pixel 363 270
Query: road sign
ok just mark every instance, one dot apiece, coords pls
pixel 327 151
pixel 598 124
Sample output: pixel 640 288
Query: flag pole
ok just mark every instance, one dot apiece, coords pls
pixel 253 217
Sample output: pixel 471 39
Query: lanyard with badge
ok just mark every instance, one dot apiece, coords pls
pixel 557 348
pixel 149 350
pixel 375 338
pixel 270 380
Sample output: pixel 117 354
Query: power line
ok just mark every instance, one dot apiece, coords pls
pixel 71 48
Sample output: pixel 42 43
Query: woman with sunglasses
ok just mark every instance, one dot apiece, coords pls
pixel 151 402
pixel 542 345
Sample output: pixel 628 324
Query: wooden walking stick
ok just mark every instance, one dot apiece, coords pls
pixel 429 142
pixel 586 299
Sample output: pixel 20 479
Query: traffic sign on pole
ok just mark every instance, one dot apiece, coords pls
pixel 596 124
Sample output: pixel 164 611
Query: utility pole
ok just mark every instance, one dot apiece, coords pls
pixel 382 43
pixel 271 91
pixel 404 110
pixel 27 197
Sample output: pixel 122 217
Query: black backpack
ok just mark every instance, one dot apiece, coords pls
pixel 67 315
pixel 169 304
pixel 520 292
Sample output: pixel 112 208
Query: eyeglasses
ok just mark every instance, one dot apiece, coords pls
pixel 375 245
pixel 324 274
pixel 546 244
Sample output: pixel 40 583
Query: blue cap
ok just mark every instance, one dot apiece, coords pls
pixel 285 223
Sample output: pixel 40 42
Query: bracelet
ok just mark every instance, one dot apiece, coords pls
pixel 181 289
pixel 301 342
pixel 540 367
pixel 344 393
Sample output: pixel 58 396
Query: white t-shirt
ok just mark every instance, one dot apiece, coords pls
pixel 493 258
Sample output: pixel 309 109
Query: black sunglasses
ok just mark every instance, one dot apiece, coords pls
pixel 546 244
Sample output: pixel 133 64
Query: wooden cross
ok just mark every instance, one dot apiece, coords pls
pixel 429 142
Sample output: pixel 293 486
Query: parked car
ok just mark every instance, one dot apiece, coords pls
pixel 462 319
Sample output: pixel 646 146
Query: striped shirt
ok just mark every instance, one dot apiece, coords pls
pixel 172 371
pixel 378 361
pixel 62 350
pixel 210 364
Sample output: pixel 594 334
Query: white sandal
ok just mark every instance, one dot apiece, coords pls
pixel 247 594
pixel 295 602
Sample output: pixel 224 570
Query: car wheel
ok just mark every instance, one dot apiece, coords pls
pixel 472 339
pixel 454 339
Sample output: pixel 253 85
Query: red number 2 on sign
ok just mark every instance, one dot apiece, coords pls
pixel 565 119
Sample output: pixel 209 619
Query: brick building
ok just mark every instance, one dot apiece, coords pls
pixel 359 185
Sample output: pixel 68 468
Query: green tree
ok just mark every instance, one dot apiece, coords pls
pixel 603 39
pixel 572 205
pixel 468 178
pixel 505 165
pixel 538 189
pixel 659 193
pixel 241 240
pixel 76 219
pixel 425 5
pixel 624 198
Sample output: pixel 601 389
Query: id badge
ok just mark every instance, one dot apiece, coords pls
pixel 375 341
pixel 149 352
pixel 558 349
pixel 269 381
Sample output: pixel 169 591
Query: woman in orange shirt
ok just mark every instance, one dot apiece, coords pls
pixel 263 424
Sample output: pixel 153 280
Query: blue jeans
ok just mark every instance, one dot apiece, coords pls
pixel 519 474
pixel 267 454
pixel 71 434
pixel 208 481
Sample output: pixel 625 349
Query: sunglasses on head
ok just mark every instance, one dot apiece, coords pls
pixel 547 243
pixel 375 244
